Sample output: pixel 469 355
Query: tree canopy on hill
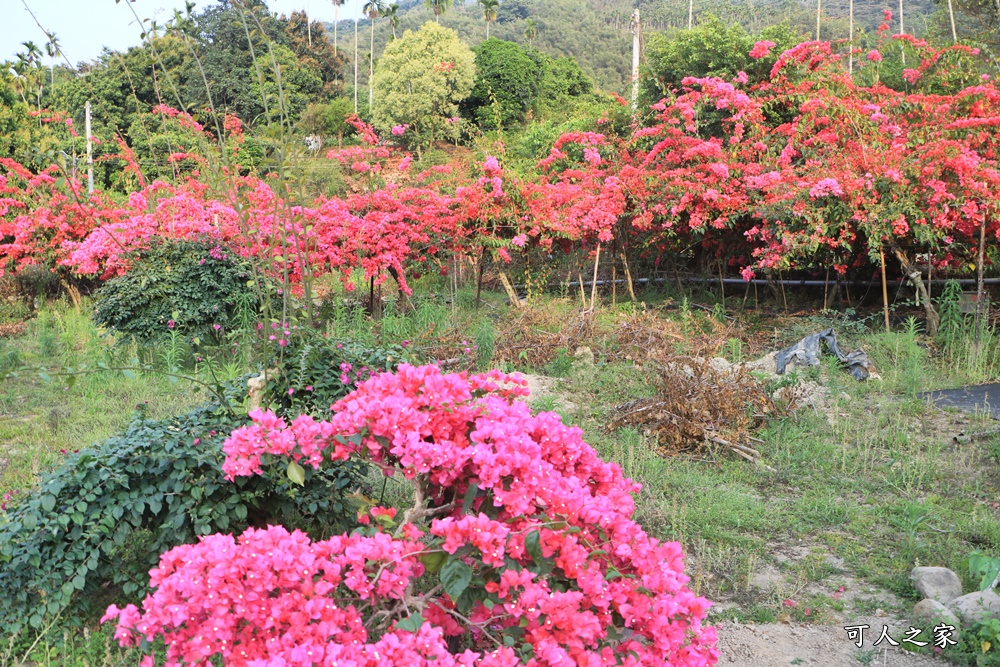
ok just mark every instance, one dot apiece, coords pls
pixel 512 80
pixel 596 32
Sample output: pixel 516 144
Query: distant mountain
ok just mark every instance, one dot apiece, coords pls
pixel 596 32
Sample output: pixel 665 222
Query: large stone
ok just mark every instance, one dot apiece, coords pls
pixel 937 583
pixel 930 613
pixel 976 607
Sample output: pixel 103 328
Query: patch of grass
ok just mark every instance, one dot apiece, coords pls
pixel 879 484
pixel 39 419
pixel 75 648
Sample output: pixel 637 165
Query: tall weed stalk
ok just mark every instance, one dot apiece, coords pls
pixel 972 352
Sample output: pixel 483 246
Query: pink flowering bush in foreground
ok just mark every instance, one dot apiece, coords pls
pixel 519 548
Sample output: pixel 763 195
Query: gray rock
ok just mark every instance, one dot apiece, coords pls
pixel 937 583
pixel 976 607
pixel 931 613
pixel 584 355
pixel 720 365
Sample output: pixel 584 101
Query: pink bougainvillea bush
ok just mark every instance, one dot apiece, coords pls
pixel 518 548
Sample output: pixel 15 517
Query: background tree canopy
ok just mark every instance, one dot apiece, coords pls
pixel 420 81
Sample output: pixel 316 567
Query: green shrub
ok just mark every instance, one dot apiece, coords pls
pixel 105 515
pixel 314 368
pixel 188 285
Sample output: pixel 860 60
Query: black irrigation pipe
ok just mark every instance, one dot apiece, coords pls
pixel 788 282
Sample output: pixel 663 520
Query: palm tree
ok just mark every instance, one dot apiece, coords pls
pixel 392 13
pixel 336 5
pixel 530 30
pixel 489 13
pixel 33 61
pixel 52 49
pixel 355 65
pixel 373 8
pixel 438 7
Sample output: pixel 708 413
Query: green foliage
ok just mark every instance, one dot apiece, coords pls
pixel 195 284
pixel 979 645
pixel 507 73
pixel 329 119
pixel 563 82
pixel 711 48
pixel 315 361
pixel 107 513
pixel 523 80
pixel 985 568
pixel 420 80
pixel 972 352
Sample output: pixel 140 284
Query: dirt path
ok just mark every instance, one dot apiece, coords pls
pixel 778 645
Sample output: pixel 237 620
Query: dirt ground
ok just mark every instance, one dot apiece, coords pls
pixel 778 645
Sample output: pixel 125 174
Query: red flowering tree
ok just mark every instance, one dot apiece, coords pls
pixel 519 548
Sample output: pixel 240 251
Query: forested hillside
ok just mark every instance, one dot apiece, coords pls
pixel 596 32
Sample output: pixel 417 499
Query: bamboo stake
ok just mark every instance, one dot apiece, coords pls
pixel 979 282
pixel 951 14
pixel 593 286
pixel 885 291
pixel 511 292
pixel 722 286
pixel 614 284
pixel 826 289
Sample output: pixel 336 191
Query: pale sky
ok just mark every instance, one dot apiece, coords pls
pixel 85 26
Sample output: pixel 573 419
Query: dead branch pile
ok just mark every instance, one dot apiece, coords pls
pixel 535 337
pixel 12 329
pixel 701 409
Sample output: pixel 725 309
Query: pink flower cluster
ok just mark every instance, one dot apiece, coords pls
pixel 761 49
pixel 541 526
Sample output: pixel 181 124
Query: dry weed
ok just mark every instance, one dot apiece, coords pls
pixel 701 409
pixel 535 336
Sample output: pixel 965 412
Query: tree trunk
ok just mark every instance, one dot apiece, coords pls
pixel 355 66
pixel 911 272
pixel 404 300
pixel 850 39
pixel 479 278
pixel 371 68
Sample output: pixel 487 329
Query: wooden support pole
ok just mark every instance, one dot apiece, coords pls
pixel 885 291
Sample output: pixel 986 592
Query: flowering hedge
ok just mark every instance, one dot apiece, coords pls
pixel 519 548
pixel 809 169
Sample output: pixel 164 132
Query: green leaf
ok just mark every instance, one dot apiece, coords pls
pixel 470 497
pixel 48 502
pixel 130 374
pixel 455 577
pixel 411 623
pixel 533 543
pixel 433 561
pixel 296 473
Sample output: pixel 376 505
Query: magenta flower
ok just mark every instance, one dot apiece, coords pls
pixel 761 49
